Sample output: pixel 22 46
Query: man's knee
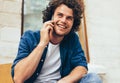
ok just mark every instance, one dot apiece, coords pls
pixel 91 78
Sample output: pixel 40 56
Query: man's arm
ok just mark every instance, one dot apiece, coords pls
pixel 76 74
pixel 27 66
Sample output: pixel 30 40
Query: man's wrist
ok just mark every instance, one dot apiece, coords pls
pixel 41 44
pixel 66 79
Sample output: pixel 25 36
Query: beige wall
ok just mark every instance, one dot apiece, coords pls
pixel 103 25
pixel 10 28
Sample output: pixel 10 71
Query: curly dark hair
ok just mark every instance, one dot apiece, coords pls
pixel 76 6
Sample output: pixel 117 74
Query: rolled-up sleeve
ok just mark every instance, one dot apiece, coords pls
pixel 78 56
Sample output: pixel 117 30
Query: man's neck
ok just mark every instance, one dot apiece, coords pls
pixel 54 39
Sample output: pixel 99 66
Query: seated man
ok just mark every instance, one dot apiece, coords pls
pixel 54 54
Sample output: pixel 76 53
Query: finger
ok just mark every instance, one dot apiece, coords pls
pixel 49 23
pixel 49 28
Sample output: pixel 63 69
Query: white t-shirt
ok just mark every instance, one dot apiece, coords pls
pixel 51 68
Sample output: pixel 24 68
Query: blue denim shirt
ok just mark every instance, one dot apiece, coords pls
pixel 71 53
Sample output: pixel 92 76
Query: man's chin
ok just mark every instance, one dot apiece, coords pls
pixel 59 34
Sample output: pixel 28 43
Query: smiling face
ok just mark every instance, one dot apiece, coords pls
pixel 63 20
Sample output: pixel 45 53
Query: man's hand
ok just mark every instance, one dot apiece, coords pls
pixel 76 74
pixel 45 32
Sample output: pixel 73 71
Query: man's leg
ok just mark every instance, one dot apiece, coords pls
pixel 91 78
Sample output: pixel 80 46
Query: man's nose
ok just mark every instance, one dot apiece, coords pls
pixel 63 19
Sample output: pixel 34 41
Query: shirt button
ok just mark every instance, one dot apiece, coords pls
pixel 41 60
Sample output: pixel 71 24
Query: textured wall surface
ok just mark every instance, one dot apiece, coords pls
pixel 10 28
pixel 103 25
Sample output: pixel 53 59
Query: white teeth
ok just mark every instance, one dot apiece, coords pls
pixel 61 26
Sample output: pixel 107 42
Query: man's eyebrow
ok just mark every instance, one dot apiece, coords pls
pixel 62 13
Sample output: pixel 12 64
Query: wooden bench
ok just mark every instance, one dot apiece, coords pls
pixel 5 73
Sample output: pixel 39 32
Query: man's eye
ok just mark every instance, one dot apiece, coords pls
pixel 60 15
pixel 70 18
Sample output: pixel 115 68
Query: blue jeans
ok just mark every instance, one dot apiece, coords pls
pixel 91 78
